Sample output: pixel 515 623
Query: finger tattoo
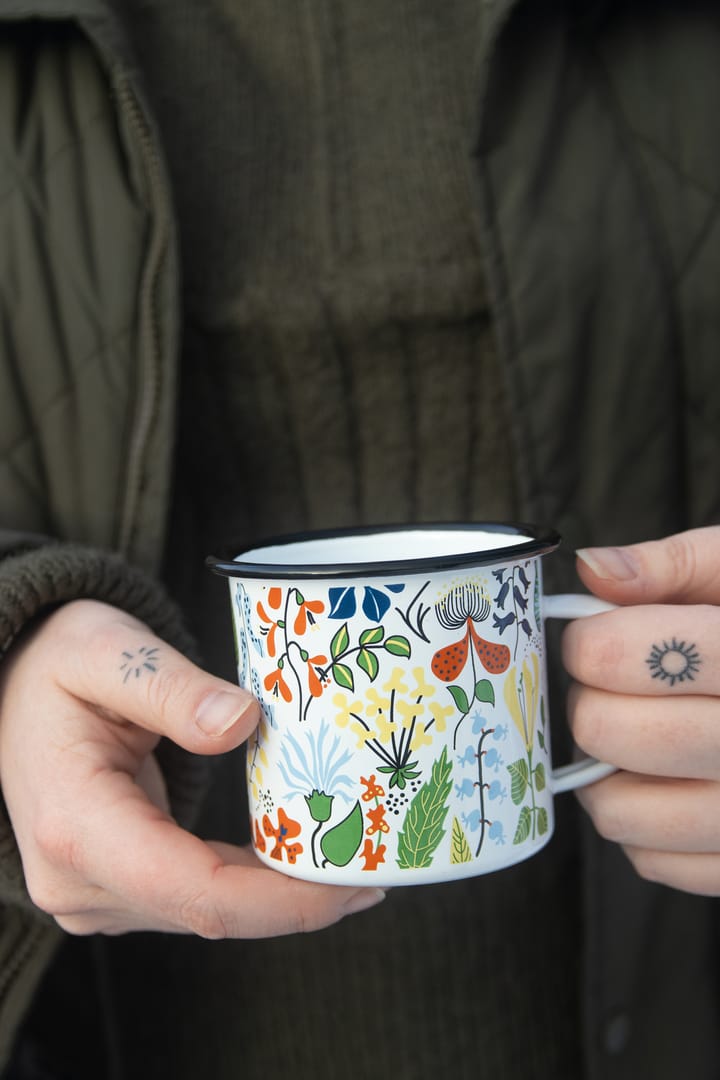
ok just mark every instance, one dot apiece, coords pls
pixel 674 661
pixel 135 663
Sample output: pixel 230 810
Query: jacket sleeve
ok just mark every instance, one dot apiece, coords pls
pixel 36 575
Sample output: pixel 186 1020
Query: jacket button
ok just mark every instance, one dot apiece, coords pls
pixel 616 1034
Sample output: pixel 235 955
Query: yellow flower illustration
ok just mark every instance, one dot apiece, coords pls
pixel 522 695
pixel 420 738
pixel 409 711
pixel 385 727
pixel 395 682
pixel 376 703
pixel 440 714
pixel 423 689
pixel 363 733
pixel 345 709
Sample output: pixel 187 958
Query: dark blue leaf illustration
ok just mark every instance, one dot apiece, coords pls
pixel 502 624
pixel 375 603
pixel 397 587
pixel 523 578
pixel 502 595
pixel 499 574
pixel 342 602
pixel 526 627
pixel 520 599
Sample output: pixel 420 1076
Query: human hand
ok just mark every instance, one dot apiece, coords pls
pixel 84 700
pixel 647 699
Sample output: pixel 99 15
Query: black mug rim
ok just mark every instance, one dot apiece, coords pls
pixel 540 541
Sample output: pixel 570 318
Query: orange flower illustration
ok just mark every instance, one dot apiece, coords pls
pixel 275 684
pixel 259 838
pixel 286 830
pixel 271 628
pixel 372 856
pixel 377 821
pixel 317 677
pixel 307 610
pixel 463 606
pixel 374 790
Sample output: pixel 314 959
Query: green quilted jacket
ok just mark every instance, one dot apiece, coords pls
pixel 598 177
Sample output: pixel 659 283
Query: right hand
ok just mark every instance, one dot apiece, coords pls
pixel 84 698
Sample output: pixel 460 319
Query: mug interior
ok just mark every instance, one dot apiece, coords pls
pixel 388 549
pixel 382 547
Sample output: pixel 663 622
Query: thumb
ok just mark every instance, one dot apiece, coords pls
pixel 679 569
pixel 114 662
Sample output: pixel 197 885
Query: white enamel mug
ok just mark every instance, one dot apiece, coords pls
pixel 405 736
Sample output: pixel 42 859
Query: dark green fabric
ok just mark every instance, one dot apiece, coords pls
pixel 596 181
pixel 86 363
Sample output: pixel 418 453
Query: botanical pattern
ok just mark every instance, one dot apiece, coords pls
pixel 522 696
pixel 284 621
pixel 512 602
pixel 404 723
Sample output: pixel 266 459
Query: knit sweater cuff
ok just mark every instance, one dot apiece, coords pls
pixel 34 582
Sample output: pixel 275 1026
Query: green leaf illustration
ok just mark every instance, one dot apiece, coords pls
pixel 519 780
pixel 400 774
pixel 367 661
pixel 343 676
pixel 422 828
pixel 542 821
pixel 524 825
pixel 340 642
pixel 397 645
pixel 484 692
pixel 541 730
pixel 539 772
pixel 373 636
pixel 460 850
pixel 340 843
pixel 460 698
pixel 536 600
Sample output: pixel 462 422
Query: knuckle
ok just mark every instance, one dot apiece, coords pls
pixel 202 918
pixel 646 863
pixel 608 820
pixel 682 561
pixel 168 689
pixel 587 721
pixel 81 925
pixel 41 891
pixel 78 618
pixel 57 843
pixel 591 653
pixel 47 893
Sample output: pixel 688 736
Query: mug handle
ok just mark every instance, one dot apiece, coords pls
pixel 585 770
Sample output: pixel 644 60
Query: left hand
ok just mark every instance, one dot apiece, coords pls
pixel 646 698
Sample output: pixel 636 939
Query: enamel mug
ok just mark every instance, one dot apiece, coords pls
pixel 405 735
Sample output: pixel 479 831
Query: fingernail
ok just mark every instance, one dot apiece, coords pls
pixel 611 563
pixel 220 710
pixel 361 901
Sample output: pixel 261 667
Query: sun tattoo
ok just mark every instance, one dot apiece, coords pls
pixel 674 662
pixel 135 663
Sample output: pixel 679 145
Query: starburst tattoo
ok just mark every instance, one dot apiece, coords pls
pixel 674 661
pixel 134 663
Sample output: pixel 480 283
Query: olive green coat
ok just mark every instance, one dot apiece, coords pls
pixel 597 173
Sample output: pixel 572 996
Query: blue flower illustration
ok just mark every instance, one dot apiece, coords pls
pixel 318 770
pixel 375 602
